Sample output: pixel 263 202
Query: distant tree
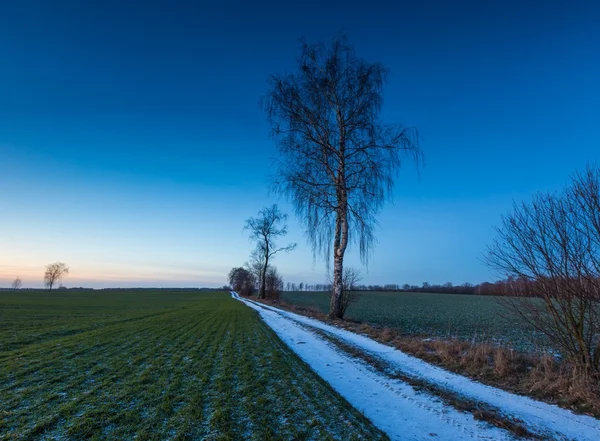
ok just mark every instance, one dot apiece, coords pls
pixel 265 230
pixel 242 281
pixel 17 283
pixel 337 161
pixel 273 283
pixel 549 251
pixel 301 286
pixel 54 273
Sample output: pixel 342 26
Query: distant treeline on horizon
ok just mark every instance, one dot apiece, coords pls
pixel 80 288
pixel 498 288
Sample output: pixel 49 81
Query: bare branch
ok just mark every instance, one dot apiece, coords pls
pixel 54 273
pixel 550 251
pixel 264 230
pixel 337 162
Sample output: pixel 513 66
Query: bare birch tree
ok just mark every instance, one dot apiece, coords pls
pixel 337 162
pixel 549 249
pixel 54 273
pixel 265 230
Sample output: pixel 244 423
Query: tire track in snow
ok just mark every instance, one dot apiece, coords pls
pixel 545 419
pixel 392 405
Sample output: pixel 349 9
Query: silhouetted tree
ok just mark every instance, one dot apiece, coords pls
pixel 54 273
pixel 17 283
pixel 549 249
pixel 264 230
pixel 242 281
pixel 337 162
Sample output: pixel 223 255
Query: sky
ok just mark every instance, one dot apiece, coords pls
pixel 133 147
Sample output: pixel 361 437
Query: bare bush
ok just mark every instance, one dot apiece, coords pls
pixel 550 249
pixel 350 289
pixel 273 284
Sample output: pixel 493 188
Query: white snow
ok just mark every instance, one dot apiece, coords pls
pixel 396 408
pixel 393 406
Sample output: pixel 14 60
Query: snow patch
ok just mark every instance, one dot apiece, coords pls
pixel 392 405
pixel 538 417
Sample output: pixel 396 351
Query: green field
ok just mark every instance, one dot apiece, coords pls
pixel 436 315
pixel 154 366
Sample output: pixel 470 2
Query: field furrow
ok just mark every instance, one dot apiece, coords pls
pixel 201 367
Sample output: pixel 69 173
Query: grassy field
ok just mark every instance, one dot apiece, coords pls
pixel 440 315
pixel 155 366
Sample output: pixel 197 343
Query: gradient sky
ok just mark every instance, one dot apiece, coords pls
pixel 132 145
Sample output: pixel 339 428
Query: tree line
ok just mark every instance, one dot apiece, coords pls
pixel 498 288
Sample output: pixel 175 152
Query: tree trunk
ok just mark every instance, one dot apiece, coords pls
pixel 339 249
pixel 262 290
pixel 335 310
pixel 263 282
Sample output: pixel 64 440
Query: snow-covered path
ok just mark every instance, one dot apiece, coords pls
pixel 391 405
pixel 396 408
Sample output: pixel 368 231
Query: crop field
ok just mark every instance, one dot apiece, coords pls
pixel 438 315
pixel 157 365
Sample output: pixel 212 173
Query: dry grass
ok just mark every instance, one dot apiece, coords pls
pixel 537 375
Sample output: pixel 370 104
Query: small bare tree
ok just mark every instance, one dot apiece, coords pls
pixel 549 249
pixel 350 293
pixel 17 283
pixel 264 230
pixel 54 273
pixel 337 162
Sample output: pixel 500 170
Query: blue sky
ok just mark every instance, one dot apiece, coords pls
pixel 132 145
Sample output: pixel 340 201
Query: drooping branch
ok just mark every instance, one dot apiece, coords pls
pixel 337 162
